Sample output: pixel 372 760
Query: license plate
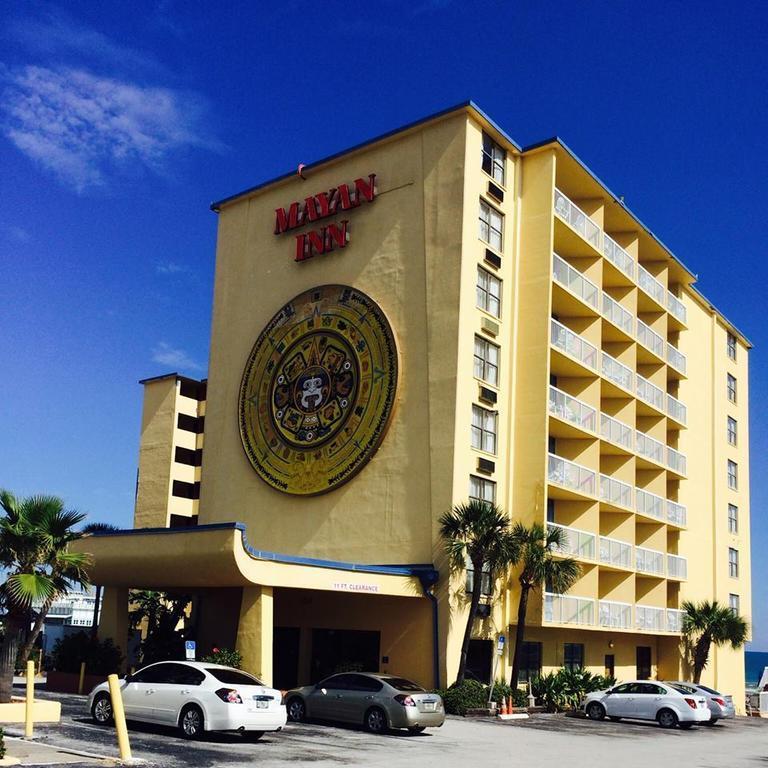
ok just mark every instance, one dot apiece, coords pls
pixel 429 706
pixel 262 704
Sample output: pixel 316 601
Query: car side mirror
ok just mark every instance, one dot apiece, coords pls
pixel 128 678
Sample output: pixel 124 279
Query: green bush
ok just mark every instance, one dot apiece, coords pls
pixel 470 694
pixel 565 689
pixel 2 743
pixel 226 656
pixel 101 658
pixel 502 690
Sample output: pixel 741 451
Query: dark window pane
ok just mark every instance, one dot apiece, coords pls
pixel 233 676
pixel 363 683
pixel 403 685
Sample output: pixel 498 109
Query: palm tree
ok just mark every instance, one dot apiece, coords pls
pixel 477 533
pixel 540 549
pixel 706 623
pixel 35 533
pixel 97 528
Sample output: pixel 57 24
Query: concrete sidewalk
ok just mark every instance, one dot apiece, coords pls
pixel 38 753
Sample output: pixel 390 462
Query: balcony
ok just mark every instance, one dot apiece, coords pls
pixel 676 410
pixel 650 339
pixel 650 619
pixel 649 504
pixel 572 344
pixel 616 372
pixel 572 280
pixel 618 256
pixel 649 393
pixel 649 561
pixel 615 615
pixel 615 552
pixel 570 409
pixel 676 461
pixel 615 492
pixel 567 609
pixel 570 475
pixel 613 311
pixel 674 620
pixel 651 286
pixel 577 542
pixel 572 215
pixel 676 308
pixel 615 431
pixel 676 358
pixel 676 513
pixel 677 567
pixel 649 448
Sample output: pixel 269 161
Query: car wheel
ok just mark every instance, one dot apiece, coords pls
pixel 667 718
pixel 297 712
pixel 101 709
pixel 417 729
pixel 686 726
pixel 375 720
pixel 595 711
pixel 615 719
pixel 252 735
pixel 191 722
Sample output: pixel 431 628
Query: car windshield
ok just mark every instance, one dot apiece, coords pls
pixel 402 684
pixel 233 676
pixel 710 690
pixel 682 688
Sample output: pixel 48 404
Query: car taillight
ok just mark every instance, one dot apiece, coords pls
pixel 691 703
pixel 406 701
pixel 718 701
pixel 230 695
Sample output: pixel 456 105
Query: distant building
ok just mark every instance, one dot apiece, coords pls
pixel 68 614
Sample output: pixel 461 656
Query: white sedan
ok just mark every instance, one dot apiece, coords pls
pixel 194 697
pixel 648 700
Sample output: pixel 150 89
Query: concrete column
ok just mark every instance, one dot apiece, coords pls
pixel 113 620
pixel 254 631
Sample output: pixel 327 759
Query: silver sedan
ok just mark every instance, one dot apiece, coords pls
pixel 375 701
pixel 720 706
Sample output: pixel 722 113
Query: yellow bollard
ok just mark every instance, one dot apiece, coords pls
pixel 30 703
pixel 81 681
pixel 118 713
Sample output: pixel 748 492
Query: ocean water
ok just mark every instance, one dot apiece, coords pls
pixel 754 662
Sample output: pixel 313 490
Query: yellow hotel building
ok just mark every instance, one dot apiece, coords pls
pixel 435 315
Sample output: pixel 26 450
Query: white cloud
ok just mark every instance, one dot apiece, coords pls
pixel 80 126
pixel 177 359
pixel 170 268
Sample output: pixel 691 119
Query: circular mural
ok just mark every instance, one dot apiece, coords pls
pixel 318 390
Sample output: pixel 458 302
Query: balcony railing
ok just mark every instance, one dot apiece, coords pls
pixel 613 311
pixel 650 619
pixel 573 215
pixel 617 372
pixel 676 307
pixel 570 475
pixel 577 542
pixel 676 461
pixel 615 431
pixel 615 492
pixel 613 614
pixel 570 409
pixel 650 393
pixel 674 620
pixel 571 343
pixel 649 561
pixel 676 513
pixel 649 447
pixel 618 256
pixel 615 552
pixel 651 286
pixel 650 339
pixel 677 567
pixel 676 410
pixel 649 504
pixel 676 358
pixel 574 281
pixel 567 609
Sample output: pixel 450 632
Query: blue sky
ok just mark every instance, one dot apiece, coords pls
pixel 121 122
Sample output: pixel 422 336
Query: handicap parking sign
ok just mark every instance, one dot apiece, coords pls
pixel 189 647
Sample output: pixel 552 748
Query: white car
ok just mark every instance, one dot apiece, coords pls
pixel 194 696
pixel 648 700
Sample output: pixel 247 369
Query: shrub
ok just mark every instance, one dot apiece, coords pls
pixel 470 694
pixel 101 658
pixel 502 690
pixel 566 688
pixel 226 656
pixel 2 743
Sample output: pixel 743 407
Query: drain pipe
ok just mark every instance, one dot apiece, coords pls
pixel 428 579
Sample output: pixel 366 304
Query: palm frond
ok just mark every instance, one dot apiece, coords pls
pixel 27 588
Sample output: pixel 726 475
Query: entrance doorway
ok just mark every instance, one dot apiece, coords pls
pixel 610 665
pixel 343 650
pixel 480 660
pixel 285 657
pixel 643 659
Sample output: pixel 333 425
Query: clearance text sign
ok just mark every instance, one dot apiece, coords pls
pixel 321 206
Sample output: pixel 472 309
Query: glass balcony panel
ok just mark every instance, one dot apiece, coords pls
pixel 617 372
pixel 676 358
pixel 650 619
pixel 650 339
pixel 676 460
pixel 677 567
pixel 613 614
pixel 649 447
pixel 574 281
pixel 649 392
pixel 573 215
pixel 572 344
pixel 676 410
pixel 649 504
pixel 676 307
pixel 674 620
pixel 577 543
pixel 569 408
pixel 567 609
pixel 651 286
pixel 618 256
pixel 649 561
pixel 676 513
pixel 613 311
pixel 615 431
pixel 615 552
pixel 571 475
pixel 615 492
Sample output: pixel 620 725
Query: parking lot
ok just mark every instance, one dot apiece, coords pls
pixel 543 741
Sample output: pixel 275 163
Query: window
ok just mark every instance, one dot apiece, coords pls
pixel 493 159
pixel 364 683
pixel 732 388
pixel 186 490
pixel 733 563
pixel 486 587
pixel 733 518
pixel 530 661
pixel 233 676
pixel 156 673
pixel 731 346
pixel 488 292
pixel 484 429
pixel 731 430
pixel 733 475
pixel 404 685
pixel 573 655
pixel 651 689
pixel 491 226
pixel 486 361
pixel 188 456
pixel 481 489
pixel 610 665
pixel 643 662
pixel 190 423
pixel 733 603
